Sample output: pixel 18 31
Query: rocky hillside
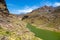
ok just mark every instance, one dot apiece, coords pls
pixel 11 27
pixel 45 17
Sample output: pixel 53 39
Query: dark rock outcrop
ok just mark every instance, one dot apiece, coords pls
pixel 3 8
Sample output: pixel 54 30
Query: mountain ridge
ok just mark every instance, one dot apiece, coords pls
pixel 46 16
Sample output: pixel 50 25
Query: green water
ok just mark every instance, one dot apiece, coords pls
pixel 44 34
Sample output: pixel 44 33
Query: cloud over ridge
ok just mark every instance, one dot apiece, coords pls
pixel 26 9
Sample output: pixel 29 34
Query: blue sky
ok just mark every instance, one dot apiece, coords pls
pixel 24 6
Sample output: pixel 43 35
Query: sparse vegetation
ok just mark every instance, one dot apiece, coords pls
pixel 0 27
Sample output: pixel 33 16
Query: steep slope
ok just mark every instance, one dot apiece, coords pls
pixel 45 17
pixel 11 27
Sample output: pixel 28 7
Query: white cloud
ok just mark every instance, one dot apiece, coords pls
pixel 52 4
pixel 26 9
pixel 56 4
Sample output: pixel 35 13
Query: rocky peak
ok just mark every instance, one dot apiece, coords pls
pixel 3 8
pixel 46 9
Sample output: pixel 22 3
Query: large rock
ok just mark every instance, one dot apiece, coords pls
pixel 3 7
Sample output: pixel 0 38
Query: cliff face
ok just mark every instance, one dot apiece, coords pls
pixel 3 8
